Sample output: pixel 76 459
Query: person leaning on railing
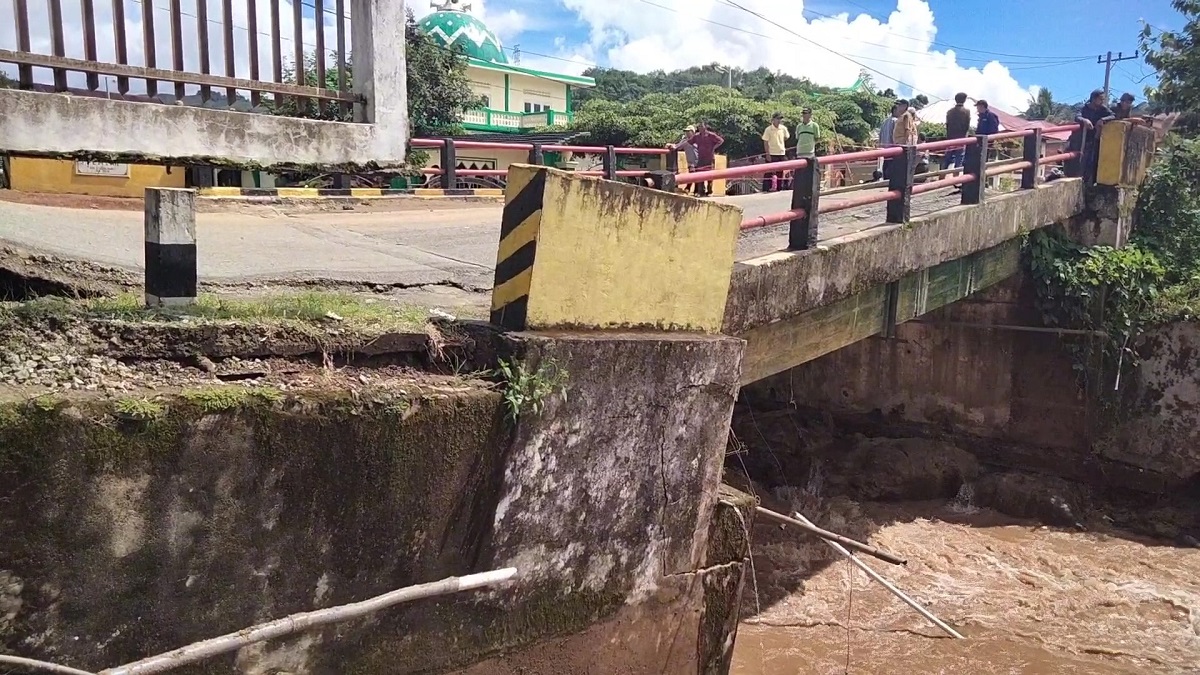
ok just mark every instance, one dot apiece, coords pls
pixel 1093 116
pixel 689 151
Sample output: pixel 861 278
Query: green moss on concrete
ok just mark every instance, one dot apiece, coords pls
pixel 729 530
pixel 459 633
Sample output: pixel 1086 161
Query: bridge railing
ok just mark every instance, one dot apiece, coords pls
pixel 902 181
pixel 448 160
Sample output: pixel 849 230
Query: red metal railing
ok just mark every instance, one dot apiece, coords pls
pixel 941 179
pixel 940 183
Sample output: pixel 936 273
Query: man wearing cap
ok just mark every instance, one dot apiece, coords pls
pixel 807 135
pixel 689 150
pixel 905 132
pixel 774 140
pixel 706 141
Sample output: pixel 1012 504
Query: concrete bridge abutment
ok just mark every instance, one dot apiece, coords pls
pixel 611 499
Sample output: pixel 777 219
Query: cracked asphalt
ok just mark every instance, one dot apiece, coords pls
pixel 447 245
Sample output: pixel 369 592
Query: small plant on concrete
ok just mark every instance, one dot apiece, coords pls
pixel 527 390
pixel 139 409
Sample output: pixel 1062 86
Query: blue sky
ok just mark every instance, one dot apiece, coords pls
pixel 1051 44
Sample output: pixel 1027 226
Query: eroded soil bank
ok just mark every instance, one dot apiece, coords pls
pixel 1042 573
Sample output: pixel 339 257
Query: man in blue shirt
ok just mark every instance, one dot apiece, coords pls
pixel 987 123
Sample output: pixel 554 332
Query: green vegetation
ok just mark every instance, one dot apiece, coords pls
pixel 1175 55
pixel 651 110
pixel 526 390
pixel 1120 293
pixel 308 307
pixel 211 400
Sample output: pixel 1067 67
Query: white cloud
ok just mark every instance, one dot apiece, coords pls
pixel 636 35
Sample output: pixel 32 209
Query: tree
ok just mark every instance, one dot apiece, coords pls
pixel 920 101
pixel 626 86
pixel 1176 57
pixel 657 119
pixel 7 82
pixel 1040 106
pixel 438 89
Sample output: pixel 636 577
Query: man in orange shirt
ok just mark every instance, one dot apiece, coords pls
pixel 905 132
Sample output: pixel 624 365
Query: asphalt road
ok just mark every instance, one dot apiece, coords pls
pixel 452 245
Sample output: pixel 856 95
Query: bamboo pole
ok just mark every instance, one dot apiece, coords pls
pixel 40 665
pixel 895 591
pixel 304 621
pixel 832 536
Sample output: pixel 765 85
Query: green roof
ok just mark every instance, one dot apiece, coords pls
pixel 577 80
pixel 461 31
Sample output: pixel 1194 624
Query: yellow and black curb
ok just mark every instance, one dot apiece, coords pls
pixel 519 227
pixel 356 193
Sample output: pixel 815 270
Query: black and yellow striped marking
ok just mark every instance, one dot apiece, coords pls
pixel 519 226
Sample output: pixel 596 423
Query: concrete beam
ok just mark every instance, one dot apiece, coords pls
pixel 781 285
pixel 62 125
pixel 776 347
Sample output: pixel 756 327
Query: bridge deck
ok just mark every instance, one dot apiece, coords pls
pixel 424 244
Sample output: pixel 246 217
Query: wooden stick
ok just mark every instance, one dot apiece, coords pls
pixel 826 534
pixel 40 665
pixel 895 591
pixel 304 621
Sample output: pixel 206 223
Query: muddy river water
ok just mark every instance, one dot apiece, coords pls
pixel 1030 599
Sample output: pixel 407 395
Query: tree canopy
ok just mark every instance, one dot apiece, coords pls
pixel 438 88
pixel 1176 57
pixel 1044 107
pixel 638 116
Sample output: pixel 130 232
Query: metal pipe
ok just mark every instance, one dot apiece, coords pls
pixel 942 184
pixel 1060 157
pixel 772 219
pixel 895 591
pixel 1011 327
pixel 482 172
pixel 1061 127
pixel 739 171
pixel 1007 167
pixel 833 207
pixel 871 185
pixel 832 536
pixel 484 145
pixel 948 143
pixel 1005 135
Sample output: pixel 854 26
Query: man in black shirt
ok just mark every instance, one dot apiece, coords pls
pixel 1093 116
pixel 958 125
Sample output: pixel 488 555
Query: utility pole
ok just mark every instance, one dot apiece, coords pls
pixel 1108 60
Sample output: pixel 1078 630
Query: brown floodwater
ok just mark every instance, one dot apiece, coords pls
pixel 1029 599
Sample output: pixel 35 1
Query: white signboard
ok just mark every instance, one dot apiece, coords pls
pixel 101 169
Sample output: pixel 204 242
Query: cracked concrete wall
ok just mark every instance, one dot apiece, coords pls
pixel 63 125
pixel 610 492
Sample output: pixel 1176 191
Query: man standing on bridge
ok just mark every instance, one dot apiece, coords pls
pixel 885 137
pixel 958 125
pixel 706 143
pixel 905 132
pixel 689 152
pixel 807 135
pixel 1091 119
pixel 988 122
pixel 774 140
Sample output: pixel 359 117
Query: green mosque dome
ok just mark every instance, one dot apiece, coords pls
pixel 462 31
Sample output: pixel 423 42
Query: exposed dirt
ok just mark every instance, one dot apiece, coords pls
pixel 25 274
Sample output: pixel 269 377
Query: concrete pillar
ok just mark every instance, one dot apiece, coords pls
pixel 637 441
pixel 380 73
pixel 171 276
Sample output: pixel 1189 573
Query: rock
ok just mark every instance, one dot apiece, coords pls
pixel 889 469
pixel 1023 495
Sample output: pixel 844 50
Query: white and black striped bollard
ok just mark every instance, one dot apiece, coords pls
pixel 171 275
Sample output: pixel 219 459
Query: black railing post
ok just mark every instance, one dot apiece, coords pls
pixel 1074 168
pixel 975 164
pixel 1033 153
pixel 535 155
pixel 340 181
pixel 449 162
pixel 673 160
pixel 901 180
pixel 806 194
pixel 610 163
pixel 663 180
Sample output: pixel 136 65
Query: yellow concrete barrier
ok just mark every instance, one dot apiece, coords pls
pixel 583 253
pixel 1125 153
